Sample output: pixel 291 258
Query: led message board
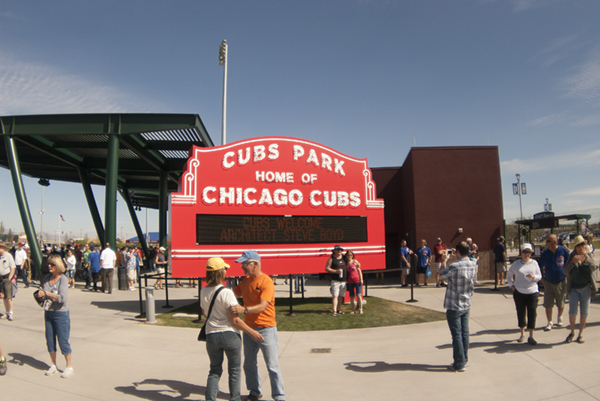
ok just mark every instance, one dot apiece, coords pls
pixel 289 199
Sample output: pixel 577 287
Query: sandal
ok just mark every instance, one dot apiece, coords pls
pixel 580 340
pixel 334 314
pixel 340 312
pixel 353 312
pixel 569 338
pixel 361 312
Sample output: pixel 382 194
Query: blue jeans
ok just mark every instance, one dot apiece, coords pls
pixel 270 351
pixel 580 296
pixel 231 343
pixel 458 322
pixel 58 325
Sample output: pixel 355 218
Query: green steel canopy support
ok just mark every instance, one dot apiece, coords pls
pixel 110 206
pixel 91 201
pixel 136 222
pixel 15 171
pixel 162 209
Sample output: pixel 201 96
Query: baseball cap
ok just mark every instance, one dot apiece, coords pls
pixel 338 247
pixel 526 247
pixel 248 255
pixel 162 249
pixel 92 247
pixel 214 264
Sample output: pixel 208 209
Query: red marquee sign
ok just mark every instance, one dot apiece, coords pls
pixel 289 199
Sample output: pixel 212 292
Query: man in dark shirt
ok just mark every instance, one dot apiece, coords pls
pixel 500 260
pixel 552 262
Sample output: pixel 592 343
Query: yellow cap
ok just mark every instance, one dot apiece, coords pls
pixel 214 264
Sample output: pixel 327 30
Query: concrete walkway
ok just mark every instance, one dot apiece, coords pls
pixel 118 357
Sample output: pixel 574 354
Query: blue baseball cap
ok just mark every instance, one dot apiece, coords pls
pixel 248 255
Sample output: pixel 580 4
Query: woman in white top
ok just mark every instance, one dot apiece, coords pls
pixel 223 331
pixel 523 276
pixel 71 262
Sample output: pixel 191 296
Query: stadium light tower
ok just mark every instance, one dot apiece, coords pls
pixel 223 62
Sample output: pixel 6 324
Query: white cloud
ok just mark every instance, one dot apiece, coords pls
pixel 587 121
pixel 29 88
pixel 562 161
pixel 558 49
pixel 585 83
pixel 551 119
pixel 585 192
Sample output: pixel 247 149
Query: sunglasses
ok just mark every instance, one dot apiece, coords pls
pixel 52 264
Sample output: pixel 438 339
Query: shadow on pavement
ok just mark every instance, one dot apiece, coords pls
pixel 20 360
pixel 503 347
pixel 133 306
pixel 378 366
pixel 159 390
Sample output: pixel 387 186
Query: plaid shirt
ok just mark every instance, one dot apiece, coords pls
pixel 460 284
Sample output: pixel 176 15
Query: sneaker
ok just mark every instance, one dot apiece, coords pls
pixel 3 366
pixel 531 341
pixel 549 327
pixel 9 316
pixel 68 372
pixel 521 339
pixel 452 368
pixel 251 397
pixel 51 371
pixel 560 322
pixel 437 285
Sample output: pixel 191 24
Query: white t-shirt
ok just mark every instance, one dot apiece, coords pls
pixel 7 263
pixel 20 257
pixel 107 257
pixel 71 262
pixel 219 317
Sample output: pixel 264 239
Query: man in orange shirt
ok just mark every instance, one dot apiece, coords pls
pixel 258 292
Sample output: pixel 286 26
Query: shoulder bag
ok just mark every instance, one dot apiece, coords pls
pixel 202 334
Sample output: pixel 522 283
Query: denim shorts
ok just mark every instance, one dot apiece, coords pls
pixel 355 289
pixel 580 296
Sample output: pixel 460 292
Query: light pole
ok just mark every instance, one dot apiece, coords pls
pixel 520 193
pixel 43 182
pixel 223 62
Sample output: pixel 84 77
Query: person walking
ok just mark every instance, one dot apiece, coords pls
pixel 523 276
pixel 581 286
pixel 7 272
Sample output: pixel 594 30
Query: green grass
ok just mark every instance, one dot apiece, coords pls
pixel 315 314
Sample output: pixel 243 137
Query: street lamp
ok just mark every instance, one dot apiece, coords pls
pixel 520 193
pixel 44 182
pixel 223 62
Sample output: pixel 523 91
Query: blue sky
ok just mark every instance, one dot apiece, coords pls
pixel 368 78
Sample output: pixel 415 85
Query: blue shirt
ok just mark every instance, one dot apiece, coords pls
pixel 94 261
pixel 553 263
pixel 423 256
pixel 460 288
pixel 404 251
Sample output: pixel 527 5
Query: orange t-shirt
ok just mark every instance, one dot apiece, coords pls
pixel 253 291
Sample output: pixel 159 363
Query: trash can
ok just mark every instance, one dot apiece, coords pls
pixel 122 276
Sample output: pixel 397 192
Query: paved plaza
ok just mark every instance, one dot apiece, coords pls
pixel 118 357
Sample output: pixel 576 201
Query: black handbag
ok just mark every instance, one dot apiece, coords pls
pixel 202 334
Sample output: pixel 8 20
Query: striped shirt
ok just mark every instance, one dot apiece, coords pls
pixel 460 284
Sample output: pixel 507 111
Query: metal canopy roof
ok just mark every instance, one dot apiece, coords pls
pixel 57 146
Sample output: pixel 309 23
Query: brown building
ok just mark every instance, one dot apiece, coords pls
pixel 448 192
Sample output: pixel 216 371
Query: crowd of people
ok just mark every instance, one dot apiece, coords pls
pixel 563 273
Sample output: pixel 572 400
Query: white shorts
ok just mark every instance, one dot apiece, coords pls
pixel 439 266
pixel 131 274
pixel 338 288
